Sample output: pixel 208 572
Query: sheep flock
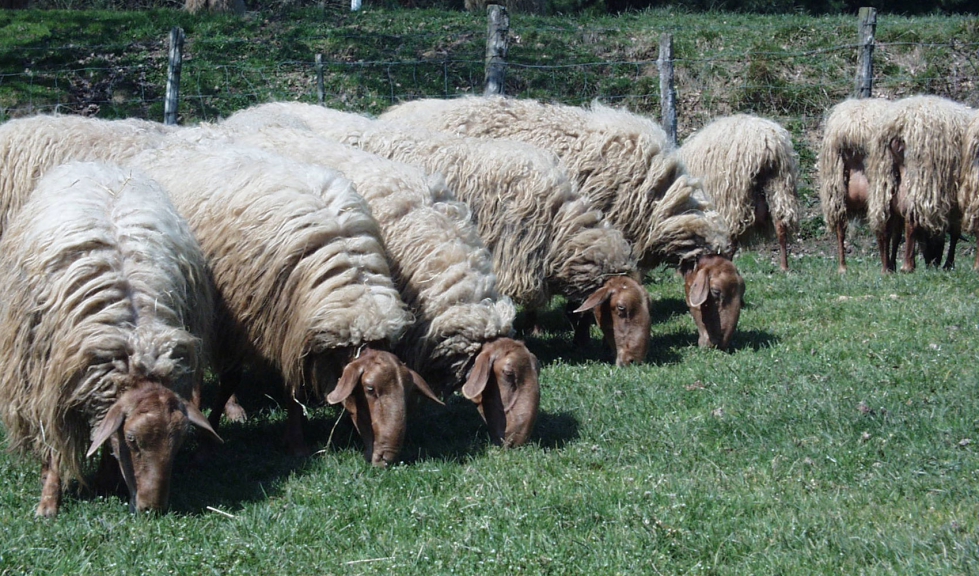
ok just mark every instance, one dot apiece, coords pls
pixel 386 264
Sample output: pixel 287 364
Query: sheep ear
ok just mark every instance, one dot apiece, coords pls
pixel 597 297
pixel 699 289
pixel 198 419
pixel 348 380
pixel 423 387
pixel 478 377
pixel 112 421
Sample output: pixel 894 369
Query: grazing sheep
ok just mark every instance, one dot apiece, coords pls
pixel 842 169
pixel 302 279
pixel 440 266
pixel 106 314
pixel 969 183
pixel 545 238
pixel 236 7
pixel 621 161
pixel 914 168
pixel 31 146
pixel 749 168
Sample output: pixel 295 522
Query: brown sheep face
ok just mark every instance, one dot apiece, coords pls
pixel 621 309
pixel 504 384
pixel 374 388
pixel 146 427
pixel 715 295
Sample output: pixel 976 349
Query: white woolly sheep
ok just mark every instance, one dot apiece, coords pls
pixel 303 281
pixel 106 314
pixel 624 164
pixel 914 168
pixel 969 183
pixel 750 170
pixel 31 146
pixel 440 265
pixel 848 133
pixel 544 238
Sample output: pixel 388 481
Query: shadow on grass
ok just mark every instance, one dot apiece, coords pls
pixel 665 309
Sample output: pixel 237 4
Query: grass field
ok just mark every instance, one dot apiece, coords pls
pixel 835 438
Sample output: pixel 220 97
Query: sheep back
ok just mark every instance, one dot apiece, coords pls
pixel 848 132
pixel 740 157
pixel 295 253
pixel 932 130
pixel 31 146
pixel 102 285
pixel 621 161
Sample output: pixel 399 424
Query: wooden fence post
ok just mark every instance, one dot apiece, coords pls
pixel 865 61
pixel 667 90
pixel 497 32
pixel 320 86
pixel 173 76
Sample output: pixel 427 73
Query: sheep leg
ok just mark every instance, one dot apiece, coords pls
pixel 910 246
pixel 581 324
pixel 50 489
pixel 293 437
pixel 953 240
pixel 841 244
pixel 883 246
pixel 783 250
pixel 229 381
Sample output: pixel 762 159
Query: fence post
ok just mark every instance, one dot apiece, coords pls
pixel 865 62
pixel 667 90
pixel 320 87
pixel 173 75
pixel 497 32
pixel 355 5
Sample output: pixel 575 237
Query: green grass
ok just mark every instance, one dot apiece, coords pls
pixel 835 438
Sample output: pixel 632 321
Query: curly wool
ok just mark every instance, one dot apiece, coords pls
pixel 969 180
pixel 848 132
pixel 439 263
pixel 518 195
pixel 295 254
pixel 31 146
pixel 739 158
pixel 932 130
pixel 103 286
pixel 621 161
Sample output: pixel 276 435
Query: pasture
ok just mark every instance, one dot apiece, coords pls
pixel 837 437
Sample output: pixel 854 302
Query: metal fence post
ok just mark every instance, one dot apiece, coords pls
pixel 667 90
pixel 865 62
pixel 497 32
pixel 320 86
pixel 173 76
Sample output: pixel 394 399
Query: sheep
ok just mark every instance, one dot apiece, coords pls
pixel 969 183
pixel 236 7
pixel 750 170
pixel 914 170
pixel 106 314
pixel 621 161
pixel 31 146
pixel 848 133
pixel 440 266
pixel 304 285
pixel 544 237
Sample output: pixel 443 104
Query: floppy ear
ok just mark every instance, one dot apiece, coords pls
pixel 479 377
pixel 112 421
pixel 348 380
pixel 422 387
pixel 699 289
pixel 198 419
pixel 597 297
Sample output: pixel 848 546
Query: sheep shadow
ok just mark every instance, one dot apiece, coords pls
pixel 665 309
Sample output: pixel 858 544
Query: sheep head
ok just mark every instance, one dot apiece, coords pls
pixel 504 384
pixel 715 295
pixel 621 309
pixel 146 427
pixel 374 388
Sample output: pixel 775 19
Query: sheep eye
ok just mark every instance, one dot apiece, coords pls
pixel 370 389
pixel 621 309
